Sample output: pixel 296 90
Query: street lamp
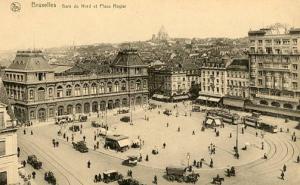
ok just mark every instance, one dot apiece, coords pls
pixel 188 156
pixel 237 142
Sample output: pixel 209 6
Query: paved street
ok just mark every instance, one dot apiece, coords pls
pixel 70 166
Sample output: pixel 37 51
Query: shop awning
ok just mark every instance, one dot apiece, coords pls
pixel 209 121
pixel 159 96
pixel 124 142
pixel 205 98
pixel 218 122
pixel 181 97
pixel 154 96
pixel 233 102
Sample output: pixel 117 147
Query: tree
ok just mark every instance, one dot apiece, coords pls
pixel 194 91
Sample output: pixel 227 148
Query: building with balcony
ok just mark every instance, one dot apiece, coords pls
pixel 39 91
pixel 275 70
pixel 213 81
pixel 172 82
pixel 8 142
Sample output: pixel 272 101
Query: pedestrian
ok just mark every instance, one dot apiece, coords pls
pixel 24 131
pixel 95 137
pixel 230 135
pixel 282 175
pixel 89 164
pixel 81 126
pixel 155 179
pixel 298 159
pixel 98 144
pixel 67 138
pixel 33 174
pixel 287 130
pixel 295 139
pixel 72 138
pixel 265 156
pixel 99 177
pixel 242 130
pixel 147 158
pixel 211 163
pixel 200 164
pixel 53 142
pixel 64 136
pixel 193 132
pixel 178 129
pixel 284 168
pixel 96 178
pixel 167 124
pixel 31 132
pixel 164 145
pixel 24 163
pixel 95 147
pixel 262 145
pixel 256 134
pixel 57 143
pixel 19 150
pixel 195 163
pixel 83 138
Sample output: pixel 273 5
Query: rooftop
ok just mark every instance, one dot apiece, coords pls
pixel 239 64
pixel 128 57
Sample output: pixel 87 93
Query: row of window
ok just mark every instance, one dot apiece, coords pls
pixel 86 90
pixel 15 77
pixel 276 41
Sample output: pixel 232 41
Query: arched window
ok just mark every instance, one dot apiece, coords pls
pixel 102 105
pixel 138 100
pixel 95 106
pixel 77 90
pixel 85 89
pixel 110 104
pixel 41 93
pixel 117 103
pixel 263 102
pixel 287 106
pixel 59 91
pixel 86 108
pixel 124 102
pixel 117 86
pixel 101 88
pixel 144 84
pixel 78 108
pixel 109 87
pixel 70 109
pixel 138 85
pixel 94 89
pixel 123 85
pixel 275 104
pixel 31 94
pixel 69 90
pixel 60 111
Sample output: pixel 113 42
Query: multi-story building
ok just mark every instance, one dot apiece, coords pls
pixel 213 81
pixel 8 143
pixel 174 81
pixel 237 83
pixel 39 91
pixel 275 71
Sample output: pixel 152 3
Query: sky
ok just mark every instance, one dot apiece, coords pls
pixel 34 27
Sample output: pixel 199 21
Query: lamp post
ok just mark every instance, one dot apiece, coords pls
pixel 188 156
pixel 237 141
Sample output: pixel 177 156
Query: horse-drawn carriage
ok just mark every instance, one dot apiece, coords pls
pixel 181 174
pixel 111 176
pixel 50 178
pixel 34 162
pixel 80 146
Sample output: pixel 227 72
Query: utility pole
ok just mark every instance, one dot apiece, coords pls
pixel 237 141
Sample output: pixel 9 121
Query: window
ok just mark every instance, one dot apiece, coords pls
pixel 85 89
pixel 117 86
pixel 295 41
pixel 3 177
pixel 32 114
pixel 277 42
pixel 50 92
pixel 295 76
pixel 285 42
pixel 69 90
pixel 259 81
pixel 260 73
pixel 295 66
pixel 295 85
pixel 138 85
pixel 260 42
pixel 31 94
pixel 94 89
pixel 51 112
pixel 145 84
pixel 59 92
pixel 260 64
pixel 109 87
pixel 2 123
pixel 101 89
pixel 77 90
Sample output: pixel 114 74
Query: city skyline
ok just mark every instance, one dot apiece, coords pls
pixel 54 27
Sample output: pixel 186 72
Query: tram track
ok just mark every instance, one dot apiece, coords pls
pixel 58 166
